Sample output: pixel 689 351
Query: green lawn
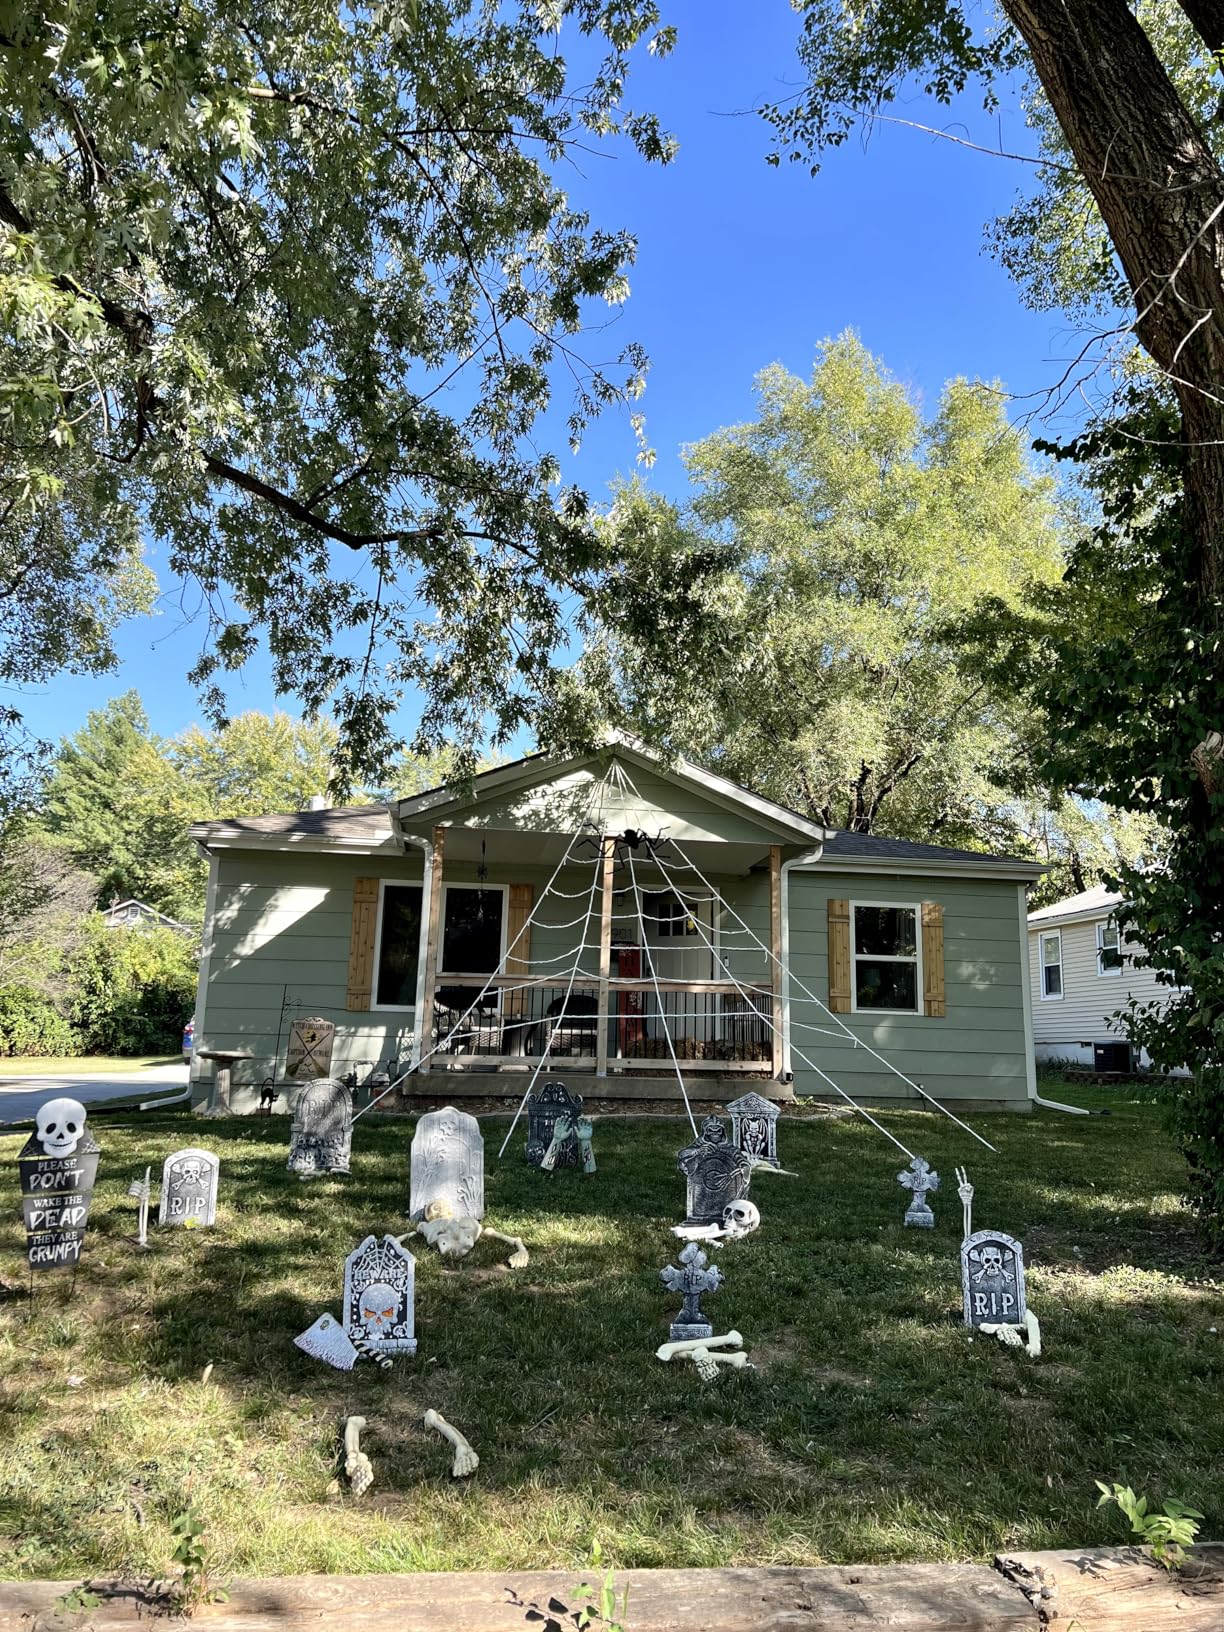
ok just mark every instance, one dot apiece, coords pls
pixel 873 1428
pixel 79 1065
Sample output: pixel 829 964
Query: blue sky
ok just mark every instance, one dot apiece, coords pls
pixel 739 265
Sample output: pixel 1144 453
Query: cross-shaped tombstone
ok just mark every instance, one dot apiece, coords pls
pixel 692 1281
pixel 919 1178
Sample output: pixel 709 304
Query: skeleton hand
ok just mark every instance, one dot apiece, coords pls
pixel 585 1130
pixel 466 1461
pixel 707 1364
pixel 519 1258
pixel 357 1466
pixel 562 1129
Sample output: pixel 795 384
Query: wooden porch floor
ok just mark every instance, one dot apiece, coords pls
pixel 476 1084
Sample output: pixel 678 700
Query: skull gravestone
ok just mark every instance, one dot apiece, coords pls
pixel 189 1187
pixel 717 1173
pixel 322 1132
pixel 447 1165
pixel 553 1100
pixel 58 1166
pixel 992 1279
pixel 379 1288
pixel 754 1129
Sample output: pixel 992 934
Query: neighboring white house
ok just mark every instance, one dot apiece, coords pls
pixel 1080 973
pixel 138 914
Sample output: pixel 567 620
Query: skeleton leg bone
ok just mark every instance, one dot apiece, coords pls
pixel 356 1463
pixel 668 1351
pixel 466 1461
pixel 707 1363
pixel 519 1258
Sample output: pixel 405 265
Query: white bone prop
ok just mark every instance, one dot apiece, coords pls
pixel 139 1188
pixel 707 1363
pixel 519 1258
pixel 668 1351
pixel 357 1464
pixel 1011 1338
pixel 466 1461
pixel 455 1237
pixel 965 1191
pixel 58 1126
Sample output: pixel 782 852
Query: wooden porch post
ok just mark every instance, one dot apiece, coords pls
pixel 775 963
pixel 426 1025
pixel 605 958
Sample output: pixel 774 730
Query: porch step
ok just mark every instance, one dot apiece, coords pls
pixel 513 1084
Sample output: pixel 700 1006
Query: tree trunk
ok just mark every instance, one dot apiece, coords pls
pixel 1161 195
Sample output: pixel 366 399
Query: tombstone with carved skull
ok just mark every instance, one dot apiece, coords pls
pixel 189 1187
pixel 379 1291
pixel 992 1279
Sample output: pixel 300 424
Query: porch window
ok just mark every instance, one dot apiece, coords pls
pixel 473 917
pixel 399 939
pixel 1051 965
pixel 1109 950
pixel 886 958
pixel 674 917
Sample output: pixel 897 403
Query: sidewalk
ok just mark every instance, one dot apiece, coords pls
pixel 20 1097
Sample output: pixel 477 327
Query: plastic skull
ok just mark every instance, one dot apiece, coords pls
pixel 379 1307
pixel 191 1171
pixel 740 1218
pixel 990 1263
pixel 59 1125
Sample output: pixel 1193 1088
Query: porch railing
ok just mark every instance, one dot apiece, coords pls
pixel 713 1025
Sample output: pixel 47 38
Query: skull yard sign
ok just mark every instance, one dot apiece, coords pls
pixel 58 1166
pixel 321 1137
pixel 379 1290
pixel 447 1165
pixel 754 1129
pixel 189 1187
pixel 992 1279
pixel 309 1054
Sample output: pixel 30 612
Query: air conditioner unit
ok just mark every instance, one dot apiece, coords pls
pixel 1111 1057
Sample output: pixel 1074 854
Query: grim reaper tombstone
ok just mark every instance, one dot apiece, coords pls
pixel 717 1173
pixel 447 1165
pixel 379 1289
pixel 322 1132
pixel 992 1279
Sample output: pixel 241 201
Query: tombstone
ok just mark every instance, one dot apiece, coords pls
pixel 918 1178
pixel 553 1100
pixel 447 1165
pixel 309 1054
pixel 754 1129
pixel 717 1173
pixel 992 1279
pixel 58 1165
pixel 189 1187
pixel 692 1281
pixel 379 1285
pixel 322 1131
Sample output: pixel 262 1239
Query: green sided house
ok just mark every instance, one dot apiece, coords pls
pixel 613 921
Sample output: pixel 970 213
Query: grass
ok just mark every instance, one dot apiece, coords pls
pixel 100 1065
pixel 873 1429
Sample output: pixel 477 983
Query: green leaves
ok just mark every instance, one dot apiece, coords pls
pixel 1168 1532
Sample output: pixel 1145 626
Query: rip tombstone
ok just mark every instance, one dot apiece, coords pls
pixel 189 1188
pixel 992 1279
pixel 447 1165
pixel 322 1132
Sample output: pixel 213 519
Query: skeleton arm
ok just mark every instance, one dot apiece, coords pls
pixel 518 1258
pixel 357 1465
pixel 668 1351
pixel 466 1461
pixel 1010 1335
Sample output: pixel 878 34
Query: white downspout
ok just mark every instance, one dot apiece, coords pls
pixel 426 848
pixel 796 861
pixel 1030 1047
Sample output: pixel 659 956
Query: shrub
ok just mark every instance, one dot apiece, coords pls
pixel 29 1024
pixel 132 990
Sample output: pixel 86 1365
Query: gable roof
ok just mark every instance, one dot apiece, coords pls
pixel 1098 902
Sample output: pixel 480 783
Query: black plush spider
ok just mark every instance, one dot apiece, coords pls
pixel 633 839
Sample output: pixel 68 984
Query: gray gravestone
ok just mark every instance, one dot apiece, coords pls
pixel 379 1288
pixel 992 1279
pixel 58 1165
pixel 322 1132
pixel 543 1108
pixel 447 1165
pixel 918 1178
pixel 189 1187
pixel 717 1174
pixel 754 1128
pixel 692 1281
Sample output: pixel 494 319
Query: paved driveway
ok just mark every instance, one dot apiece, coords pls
pixel 20 1097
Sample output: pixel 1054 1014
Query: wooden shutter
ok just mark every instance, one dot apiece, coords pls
pixel 934 994
pixel 518 944
pixel 361 944
pixel 839 957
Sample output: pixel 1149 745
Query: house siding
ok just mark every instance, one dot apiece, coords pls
pixel 1066 1028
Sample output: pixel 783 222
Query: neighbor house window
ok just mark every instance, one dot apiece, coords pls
pixel 1109 950
pixel 1051 965
pixel 399 941
pixel 886 972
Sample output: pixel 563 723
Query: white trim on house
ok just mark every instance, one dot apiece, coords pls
pixel 208 940
pixel 234 839
pixel 884 957
pixel 1043 936
pixel 1108 971
pixel 1030 1047
pixel 396 1008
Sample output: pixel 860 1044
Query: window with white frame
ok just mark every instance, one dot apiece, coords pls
pixel 399 942
pixel 886 958
pixel 1109 950
pixel 1051 965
